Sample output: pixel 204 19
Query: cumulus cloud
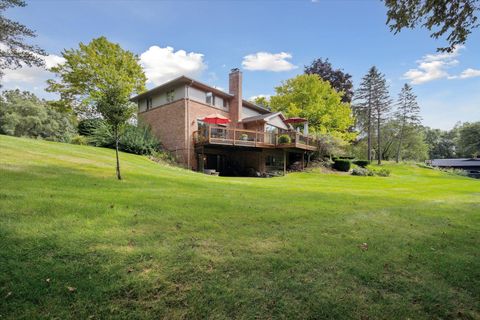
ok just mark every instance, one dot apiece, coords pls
pixel 31 78
pixel 268 61
pixel 432 67
pixel 266 96
pixel 467 73
pixel 164 64
pixel 31 75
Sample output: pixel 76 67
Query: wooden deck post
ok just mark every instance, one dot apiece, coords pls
pixel 303 160
pixel 284 162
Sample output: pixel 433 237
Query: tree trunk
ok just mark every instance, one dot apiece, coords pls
pixel 399 148
pixel 379 144
pixel 119 176
pixel 369 134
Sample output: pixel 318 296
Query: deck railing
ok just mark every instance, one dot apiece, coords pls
pixel 250 138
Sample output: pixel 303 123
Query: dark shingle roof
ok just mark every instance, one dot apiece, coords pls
pixel 461 162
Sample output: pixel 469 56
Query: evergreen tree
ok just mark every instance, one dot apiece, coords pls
pixel 14 51
pixel 371 108
pixel 407 115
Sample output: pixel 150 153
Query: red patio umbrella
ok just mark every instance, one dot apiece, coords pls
pixel 216 119
pixel 296 120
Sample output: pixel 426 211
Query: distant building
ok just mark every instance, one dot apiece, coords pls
pixel 472 165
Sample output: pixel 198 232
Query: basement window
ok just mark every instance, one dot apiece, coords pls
pixel 149 103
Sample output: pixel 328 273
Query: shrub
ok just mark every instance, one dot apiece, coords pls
pixel 87 127
pixel 362 172
pixel 80 140
pixel 284 138
pixel 361 163
pixel 382 172
pixel 134 139
pixel 139 140
pixel 341 165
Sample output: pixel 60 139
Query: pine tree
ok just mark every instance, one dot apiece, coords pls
pixel 407 114
pixel 14 51
pixel 371 107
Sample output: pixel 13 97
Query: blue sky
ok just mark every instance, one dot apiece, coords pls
pixel 270 40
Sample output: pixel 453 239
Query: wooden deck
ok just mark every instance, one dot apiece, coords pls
pixel 253 139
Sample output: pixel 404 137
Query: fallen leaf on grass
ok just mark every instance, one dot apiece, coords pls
pixel 47 280
pixel 71 289
pixel 363 246
pixel 9 293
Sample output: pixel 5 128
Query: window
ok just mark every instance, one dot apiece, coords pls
pixel 209 98
pixel 225 103
pixel 170 95
pixel 149 103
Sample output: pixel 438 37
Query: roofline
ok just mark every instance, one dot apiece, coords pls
pixel 256 107
pixel 179 80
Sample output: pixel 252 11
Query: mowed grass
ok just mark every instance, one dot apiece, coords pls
pixel 167 243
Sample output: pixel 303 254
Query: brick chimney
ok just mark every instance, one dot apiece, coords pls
pixel 235 88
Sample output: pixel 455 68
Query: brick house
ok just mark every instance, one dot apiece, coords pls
pixel 255 139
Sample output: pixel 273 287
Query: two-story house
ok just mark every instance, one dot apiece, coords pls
pixel 253 139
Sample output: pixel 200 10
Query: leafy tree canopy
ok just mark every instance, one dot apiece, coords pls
pixel 454 18
pixel 338 79
pixel 310 97
pixel 469 140
pixel 93 69
pixel 14 51
pixel 23 114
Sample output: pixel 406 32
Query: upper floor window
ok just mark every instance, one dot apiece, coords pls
pixel 209 98
pixel 225 103
pixel 170 95
pixel 149 103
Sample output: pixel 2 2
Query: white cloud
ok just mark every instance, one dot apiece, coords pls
pixel 432 67
pixel 267 96
pixel 32 75
pixel 31 78
pixel 467 73
pixel 164 64
pixel 268 61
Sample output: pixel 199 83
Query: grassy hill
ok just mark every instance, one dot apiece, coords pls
pixel 170 243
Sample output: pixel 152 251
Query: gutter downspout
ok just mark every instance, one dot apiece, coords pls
pixel 187 110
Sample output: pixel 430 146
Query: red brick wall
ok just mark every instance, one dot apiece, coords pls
pixel 197 110
pixel 168 124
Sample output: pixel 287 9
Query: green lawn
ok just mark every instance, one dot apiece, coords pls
pixel 174 244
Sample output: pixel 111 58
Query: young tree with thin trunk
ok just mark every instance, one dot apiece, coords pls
pixel 407 115
pixel 98 78
pixel 114 106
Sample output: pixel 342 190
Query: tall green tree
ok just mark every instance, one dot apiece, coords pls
pixel 454 18
pixel 14 51
pixel 338 79
pixel 22 114
pixel 371 104
pixel 91 70
pixel 310 97
pixel 441 144
pixel 407 115
pixel 468 144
